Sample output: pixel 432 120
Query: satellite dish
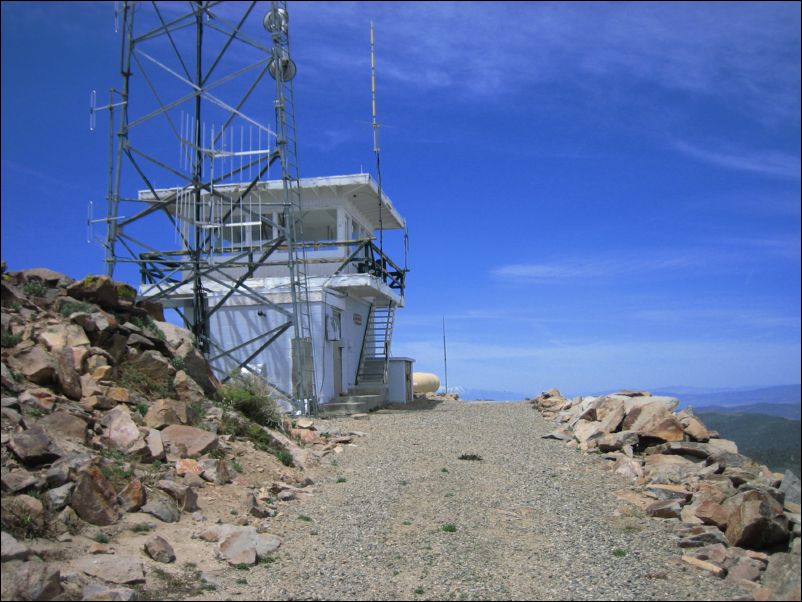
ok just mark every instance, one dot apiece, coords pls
pixel 276 20
pixel 285 63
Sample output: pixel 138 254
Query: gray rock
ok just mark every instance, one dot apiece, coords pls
pixel 64 425
pixel 701 535
pixel 36 580
pixel 56 499
pixel 791 487
pixel 113 569
pixel 37 365
pixel 197 441
pixel 98 591
pixel 243 545
pixel 17 480
pixel 782 576
pixel 160 550
pixel 665 508
pixel 185 496
pixel 12 549
pixel 67 377
pixel 162 506
pixel 34 446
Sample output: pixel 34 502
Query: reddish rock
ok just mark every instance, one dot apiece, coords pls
pixel 119 394
pixel 307 436
pixel 94 499
pixel 653 420
pixel 188 466
pixel 187 389
pixel 695 428
pixel 712 513
pixel 133 496
pixel 665 509
pixel 36 580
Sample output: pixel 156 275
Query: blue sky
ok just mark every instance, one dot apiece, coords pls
pixel 598 195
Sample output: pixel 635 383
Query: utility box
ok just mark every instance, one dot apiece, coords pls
pixel 399 377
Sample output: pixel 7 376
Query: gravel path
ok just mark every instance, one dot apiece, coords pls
pixel 534 520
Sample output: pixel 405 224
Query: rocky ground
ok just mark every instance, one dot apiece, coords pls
pixel 127 475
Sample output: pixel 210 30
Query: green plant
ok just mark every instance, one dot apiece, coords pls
pixel 234 513
pixel 142 408
pixel 132 377
pixel 9 340
pixel 304 518
pixel 250 395
pixel 285 457
pixel 407 523
pixel 72 307
pixel 34 288
pixel 140 528
pixel 619 552
pixel 449 528
pixel 266 560
pixel 178 362
pixel 444 470
pixel 419 591
pixel 473 457
pixel 36 412
pixel 403 483
pixel 236 466
pixel 101 537
pixel 241 581
pixel 242 567
pixel 341 479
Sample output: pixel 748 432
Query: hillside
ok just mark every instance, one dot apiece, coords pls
pixel 771 440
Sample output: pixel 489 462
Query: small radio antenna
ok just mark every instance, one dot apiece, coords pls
pixel 376 147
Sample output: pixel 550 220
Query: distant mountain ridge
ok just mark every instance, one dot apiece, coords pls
pixel 470 394
pixel 778 394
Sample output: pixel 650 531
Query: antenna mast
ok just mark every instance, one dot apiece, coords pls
pixel 375 126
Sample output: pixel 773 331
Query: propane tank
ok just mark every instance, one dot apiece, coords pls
pixel 425 382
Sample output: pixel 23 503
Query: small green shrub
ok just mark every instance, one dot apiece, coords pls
pixel 73 307
pixel 9 340
pixel 419 591
pixel 101 537
pixel 34 288
pixel 132 377
pixel 285 457
pixel 178 362
pixel 236 466
pixel 449 528
pixel 473 457
pixel 304 518
pixel 142 408
pixel 341 479
pixel 619 552
pixel 140 528
pixel 444 470
pixel 249 394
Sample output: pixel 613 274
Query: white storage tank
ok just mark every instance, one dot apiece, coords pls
pixel 425 382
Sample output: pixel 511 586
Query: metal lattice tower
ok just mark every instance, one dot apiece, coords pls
pixel 186 79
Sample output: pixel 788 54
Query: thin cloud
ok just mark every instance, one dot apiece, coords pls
pixel 578 269
pixel 768 163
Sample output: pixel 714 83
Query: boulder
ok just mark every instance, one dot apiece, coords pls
pixel 244 545
pixel 187 389
pixel 185 496
pixel 196 441
pixel 162 506
pixel 37 365
pixel 695 428
pixel 34 446
pixel 662 468
pixel 94 499
pixel 24 512
pixel 790 486
pixel 197 368
pixel 69 381
pixel 14 481
pixel 64 425
pixel 113 569
pixel 653 420
pixel 155 446
pixel 159 549
pixel 616 441
pixel 56 499
pixel 174 336
pixel 665 508
pixel 216 471
pixel 723 445
pixel 165 412
pixel 133 496
pixel 756 521
pixel 712 513
pixel 99 591
pixel 122 433
pixel 13 549
pixel 35 580
pixel 701 535
pixel 781 578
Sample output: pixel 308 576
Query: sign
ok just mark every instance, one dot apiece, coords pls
pixel 358 319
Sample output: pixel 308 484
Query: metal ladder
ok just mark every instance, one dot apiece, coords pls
pixel 283 71
pixel 375 355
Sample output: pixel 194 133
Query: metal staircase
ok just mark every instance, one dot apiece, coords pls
pixel 375 355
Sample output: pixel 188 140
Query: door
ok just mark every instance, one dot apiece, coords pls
pixel 338 370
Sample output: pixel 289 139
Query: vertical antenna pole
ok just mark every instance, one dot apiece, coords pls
pixel 376 148
pixel 445 357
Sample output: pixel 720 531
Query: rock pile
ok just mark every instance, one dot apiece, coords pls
pixel 109 410
pixel 734 517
